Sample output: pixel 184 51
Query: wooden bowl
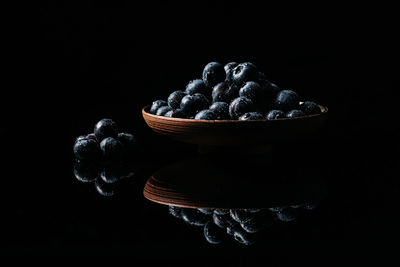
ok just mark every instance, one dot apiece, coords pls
pixel 234 132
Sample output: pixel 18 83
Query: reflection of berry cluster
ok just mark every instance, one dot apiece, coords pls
pixel 101 156
pixel 242 224
pixel 234 91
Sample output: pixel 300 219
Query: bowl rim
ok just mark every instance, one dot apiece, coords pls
pixel 324 110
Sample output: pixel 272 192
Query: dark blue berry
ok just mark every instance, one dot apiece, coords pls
pixel 194 217
pixel 86 171
pixel 251 116
pixel 229 70
pixel 241 216
pixel 104 189
pixel 243 237
pixel 86 148
pixel 252 91
pixel 286 215
pixel 192 104
pixel 128 141
pixel 105 128
pixel 176 113
pixel 206 211
pixel 175 211
pixel 225 92
pixel 223 220
pixel 156 105
pixel 310 108
pixel 240 106
pixel 286 100
pixel 275 114
pixel 252 210
pixel 221 110
pixel 197 86
pixel 112 149
pixel 213 73
pixel 175 98
pixel 275 89
pixel 213 233
pixel 295 113
pixel 260 221
pixel 221 211
pixel 206 115
pixel 244 72
pixel 162 110
pixel 116 172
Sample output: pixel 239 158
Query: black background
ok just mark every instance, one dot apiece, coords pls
pixel 87 60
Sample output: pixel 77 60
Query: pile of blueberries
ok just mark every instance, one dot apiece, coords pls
pixel 233 92
pixel 101 157
pixel 242 224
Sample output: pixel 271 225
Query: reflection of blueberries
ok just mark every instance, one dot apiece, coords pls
pixel 105 128
pixel 286 100
pixel 221 211
pixel 104 189
pixel 206 115
pixel 213 73
pixel 128 141
pixel 296 206
pixel 243 237
pixel 221 110
pixel 86 171
pixel 175 98
pixel 213 233
pixel 162 110
pixel 310 206
pixel 240 215
pixel 111 148
pixel 191 104
pixel 260 221
pixel 197 86
pixel 275 114
pixel 251 116
pixel 156 105
pixel 240 106
pixel 85 148
pixel 276 209
pixel 252 210
pixel 286 215
pixel 175 211
pixel 294 113
pixel 244 72
pixel 223 220
pixel 206 211
pixel 225 92
pixel 310 108
pixel 176 113
pixel 194 217
pixel 232 228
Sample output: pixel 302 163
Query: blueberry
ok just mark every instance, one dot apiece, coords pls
pixel 286 215
pixel 221 211
pixel 221 110
pixel 275 114
pixel 276 209
pixel 222 220
pixel 229 70
pixel 105 128
pixel 192 104
pixel 86 171
pixel 206 211
pixel 310 108
pixel 275 89
pixel 112 174
pixel 213 233
pixel 252 210
pixel 241 216
pixel 286 100
pixel 295 113
pixel 175 98
pixel 197 86
pixel 156 105
pixel 86 148
pixel 175 211
pixel 128 141
pixel 194 217
pixel 163 110
pixel 260 221
pixel 112 149
pixel 104 189
pixel 253 91
pixel 251 116
pixel 176 113
pixel 225 92
pixel 243 237
pixel 213 73
pixel 206 114
pixel 232 228
pixel 240 106
pixel 244 72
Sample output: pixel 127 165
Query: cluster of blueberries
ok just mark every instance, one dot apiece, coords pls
pixel 233 92
pixel 242 224
pixel 100 156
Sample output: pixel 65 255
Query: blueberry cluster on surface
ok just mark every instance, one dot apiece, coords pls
pixel 233 92
pixel 100 156
pixel 243 225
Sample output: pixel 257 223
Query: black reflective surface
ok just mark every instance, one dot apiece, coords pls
pixel 87 62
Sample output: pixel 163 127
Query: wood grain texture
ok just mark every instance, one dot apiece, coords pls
pixel 234 132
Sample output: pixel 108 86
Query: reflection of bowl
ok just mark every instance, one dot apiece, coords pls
pixel 234 132
pixel 205 182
